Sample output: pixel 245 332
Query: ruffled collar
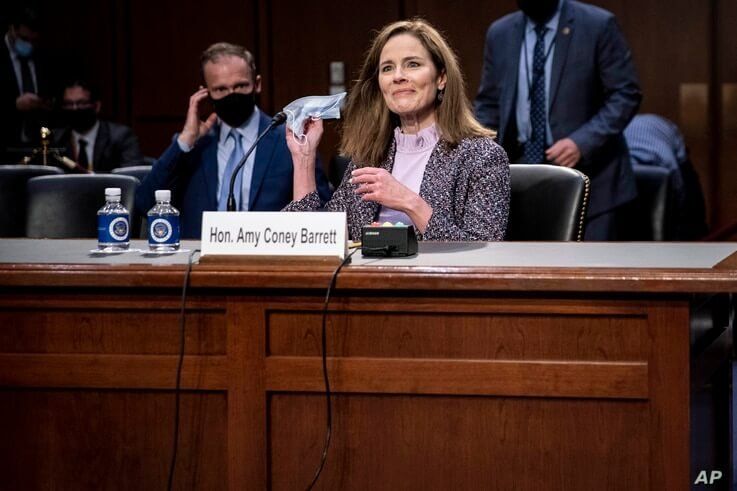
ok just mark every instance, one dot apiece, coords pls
pixel 423 140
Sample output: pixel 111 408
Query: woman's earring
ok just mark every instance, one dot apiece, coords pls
pixel 441 94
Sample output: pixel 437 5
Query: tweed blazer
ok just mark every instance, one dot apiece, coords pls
pixel 467 187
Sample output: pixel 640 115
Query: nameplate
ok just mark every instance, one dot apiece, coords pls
pixel 273 233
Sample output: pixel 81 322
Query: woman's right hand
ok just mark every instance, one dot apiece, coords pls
pixel 304 155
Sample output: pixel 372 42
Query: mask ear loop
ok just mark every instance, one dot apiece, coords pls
pixel 303 139
pixel 290 122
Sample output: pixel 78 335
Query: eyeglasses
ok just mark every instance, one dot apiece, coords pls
pixel 77 104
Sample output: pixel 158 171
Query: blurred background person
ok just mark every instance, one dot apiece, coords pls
pixel 559 85
pixel 25 86
pixel 417 153
pixel 96 145
pixel 657 141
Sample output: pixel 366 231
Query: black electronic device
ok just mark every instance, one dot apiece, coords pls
pixel 388 241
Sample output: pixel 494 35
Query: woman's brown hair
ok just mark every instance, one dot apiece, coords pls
pixel 368 125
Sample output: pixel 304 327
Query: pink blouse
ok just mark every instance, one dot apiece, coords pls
pixel 412 155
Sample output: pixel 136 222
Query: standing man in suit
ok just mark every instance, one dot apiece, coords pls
pixel 559 86
pixel 198 165
pixel 96 145
pixel 24 85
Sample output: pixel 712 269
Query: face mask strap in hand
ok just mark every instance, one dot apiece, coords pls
pixel 301 139
pixel 314 108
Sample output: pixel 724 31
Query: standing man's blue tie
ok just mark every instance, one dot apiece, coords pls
pixel 535 146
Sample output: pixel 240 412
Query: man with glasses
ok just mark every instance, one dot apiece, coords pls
pixel 96 145
pixel 198 165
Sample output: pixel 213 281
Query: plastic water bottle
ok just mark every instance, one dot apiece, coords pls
pixel 113 223
pixel 163 224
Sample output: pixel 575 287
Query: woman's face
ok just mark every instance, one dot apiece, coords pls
pixel 409 80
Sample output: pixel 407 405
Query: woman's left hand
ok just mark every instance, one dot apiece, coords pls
pixel 378 185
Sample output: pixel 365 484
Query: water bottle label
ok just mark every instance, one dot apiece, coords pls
pixel 113 228
pixel 164 230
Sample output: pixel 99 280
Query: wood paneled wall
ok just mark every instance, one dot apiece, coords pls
pixel 145 56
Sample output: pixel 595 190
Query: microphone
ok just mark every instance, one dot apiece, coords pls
pixel 278 119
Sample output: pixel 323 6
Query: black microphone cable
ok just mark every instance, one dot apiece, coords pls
pixel 177 389
pixel 329 409
pixel 279 118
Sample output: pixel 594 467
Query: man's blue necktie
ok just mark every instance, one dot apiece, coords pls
pixel 535 146
pixel 235 156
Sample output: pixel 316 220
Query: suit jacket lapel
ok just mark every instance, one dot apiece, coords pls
pixel 8 69
pixel 99 160
pixel 264 153
pixel 62 138
pixel 562 42
pixel 512 75
pixel 210 160
pixel 435 170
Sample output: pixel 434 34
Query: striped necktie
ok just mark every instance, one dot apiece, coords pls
pixel 235 156
pixel 535 146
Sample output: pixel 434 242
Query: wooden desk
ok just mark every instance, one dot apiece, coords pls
pixel 448 377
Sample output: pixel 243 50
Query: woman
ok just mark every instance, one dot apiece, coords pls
pixel 417 153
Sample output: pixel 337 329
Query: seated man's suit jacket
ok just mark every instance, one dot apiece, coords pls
pixel 115 146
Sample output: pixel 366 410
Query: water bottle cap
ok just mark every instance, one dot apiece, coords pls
pixel 112 191
pixel 162 195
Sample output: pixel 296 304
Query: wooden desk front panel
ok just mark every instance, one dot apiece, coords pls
pixel 438 392
pixel 480 393
pixel 86 399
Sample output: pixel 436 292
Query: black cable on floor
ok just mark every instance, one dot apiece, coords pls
pixel 329 426
pixel 177 389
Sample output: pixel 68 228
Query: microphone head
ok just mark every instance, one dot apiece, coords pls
pixel 279 118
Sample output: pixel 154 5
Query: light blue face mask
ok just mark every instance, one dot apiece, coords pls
pixel 23 48
pixel 315 107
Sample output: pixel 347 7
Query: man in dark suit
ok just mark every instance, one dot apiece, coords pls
pixel 25 89
pixel 198 165
pixel 96 145
pixel 559 86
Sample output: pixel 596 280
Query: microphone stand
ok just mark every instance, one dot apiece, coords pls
pixel 279 118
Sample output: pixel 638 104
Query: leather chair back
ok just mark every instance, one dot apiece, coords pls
pixel 548 203
pixel 65 207
pixel 651 216
pixel 138 171
pixel 338 166
pixel 13 197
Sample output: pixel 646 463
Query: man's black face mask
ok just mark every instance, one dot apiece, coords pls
pixel 539 11
pixel 235 108
pixel 80 120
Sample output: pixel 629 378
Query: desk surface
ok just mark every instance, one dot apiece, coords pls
pixel 571 266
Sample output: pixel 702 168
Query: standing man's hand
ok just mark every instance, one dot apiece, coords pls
pixel 564 152
pixel 29 102
pixel 194 128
